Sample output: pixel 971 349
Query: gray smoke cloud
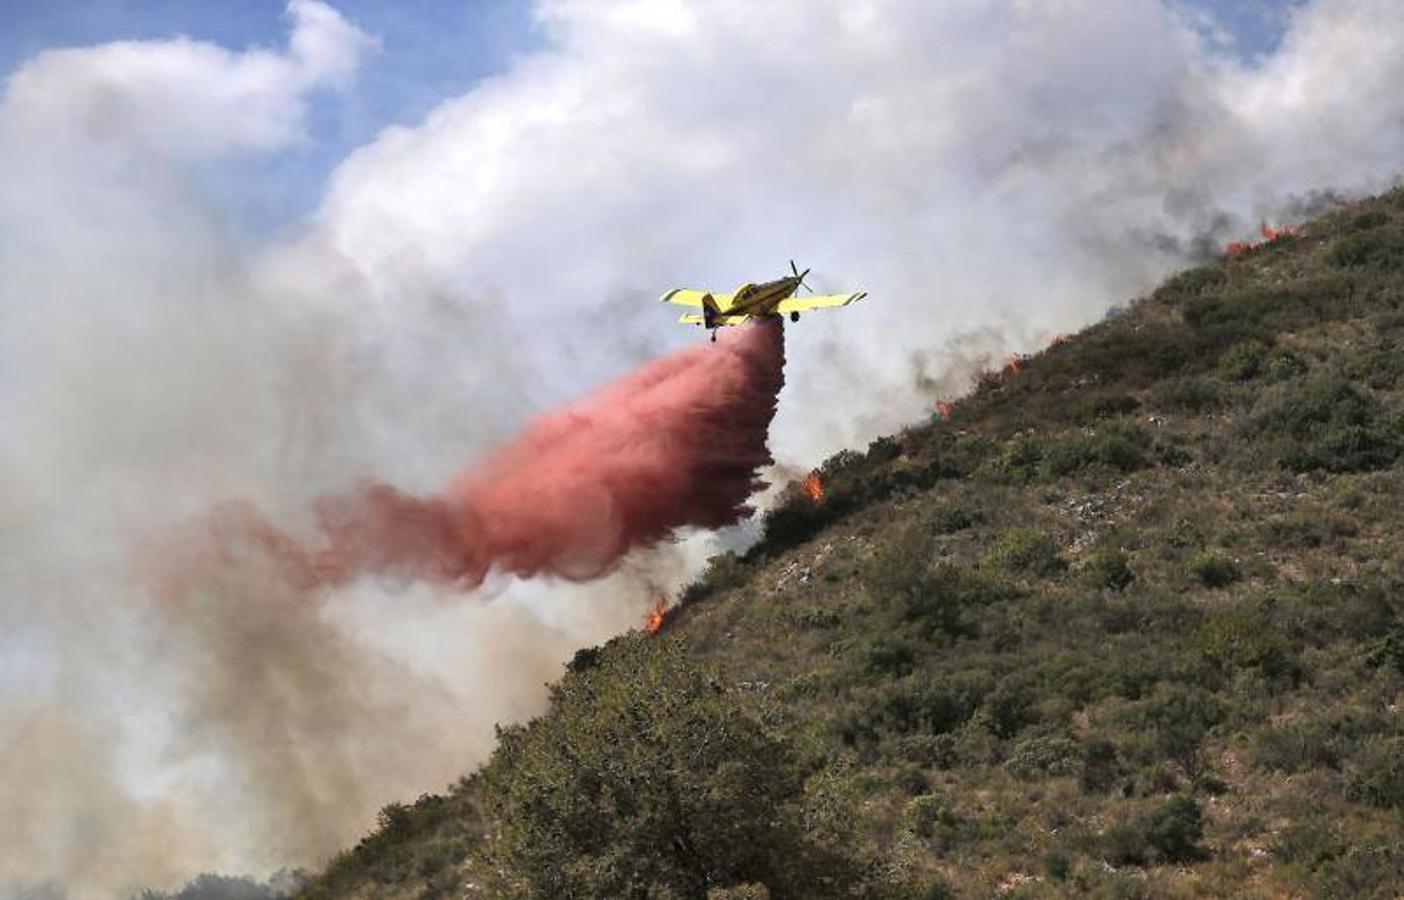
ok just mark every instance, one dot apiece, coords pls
pixel 993 173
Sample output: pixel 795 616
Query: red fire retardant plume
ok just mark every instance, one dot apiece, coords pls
pixel 676 442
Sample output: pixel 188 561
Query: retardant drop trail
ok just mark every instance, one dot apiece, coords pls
pixel 677 442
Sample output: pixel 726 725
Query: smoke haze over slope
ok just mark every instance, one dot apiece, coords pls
pixel 991 172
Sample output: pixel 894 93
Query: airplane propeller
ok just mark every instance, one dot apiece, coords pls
pixel 800 275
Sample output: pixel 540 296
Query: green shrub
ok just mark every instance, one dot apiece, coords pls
pixel 1190 394
pixel 1214 570
pixel 900 578
pixel 1308 529
pixel 724 572
pixel 1389 649
pixel 812 618
pixel 943 706
pixel 1302 408
pixel 1307 843
pixel 1173 454
pixel 1112 406
pixel 912 781
pixel 1027 551
pixel 884 449
pixel 1100 768
pixel 1379 775
pixel 1006 710
pixel 889 655
pixel 206 886
pixel 1363 873
pixel 1243 360
pixel 1327 610
pixel 1193 282
pixel 1349 448
pixel 1367 221
pixel 1120 446
pixel 1131 356
pixel 1378 249
pixel 936 751
pixel 1178 719
pixel 1184 534
pixel 1322 740
pixel 1262 311
pixel 936 890
pixel 1058 867
pixel 1282 365
pixel 793 522
pixel 911 705
pixel 393 820
pixel 1109 568
pixel 584 658
pixel 1242 637
pixel 1295 747
pixel 1256 314
pixel 925 814
pixel 1038 757
pixel 1167 834
pixel 1174 830
pixel 935 600
pixel 647 776
pixel 740 892
pixel 951 519
pixel 1020 458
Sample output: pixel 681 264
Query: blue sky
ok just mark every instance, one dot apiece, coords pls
pixel 1255 25
pixel 430 50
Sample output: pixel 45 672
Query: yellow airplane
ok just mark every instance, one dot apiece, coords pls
pixel 754 301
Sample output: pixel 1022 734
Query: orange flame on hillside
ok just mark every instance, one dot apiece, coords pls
pixel 943 410
pixel 655 616
pixel 1270 235
pixel 1014 364
pixel 813 487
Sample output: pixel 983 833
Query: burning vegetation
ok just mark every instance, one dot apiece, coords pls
pixel 656 611
pixel 1270 235
pixel 813 487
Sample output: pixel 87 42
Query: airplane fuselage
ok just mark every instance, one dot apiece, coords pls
pixel 761 299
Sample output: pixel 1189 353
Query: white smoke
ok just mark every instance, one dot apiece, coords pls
pixel 183 97
pixel 1001 167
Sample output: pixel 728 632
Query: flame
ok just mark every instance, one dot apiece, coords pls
pixel 1014 364
pixel 813 487
pixel 655 616
pixel 1269 234
pixel 943 410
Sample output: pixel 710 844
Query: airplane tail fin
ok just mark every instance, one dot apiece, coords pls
pixel 710 310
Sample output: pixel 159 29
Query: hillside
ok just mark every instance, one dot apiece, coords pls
pixel 1126 623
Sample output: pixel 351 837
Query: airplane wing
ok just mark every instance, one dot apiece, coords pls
pixel 688 297
pixel 694 319
pixel 800 304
